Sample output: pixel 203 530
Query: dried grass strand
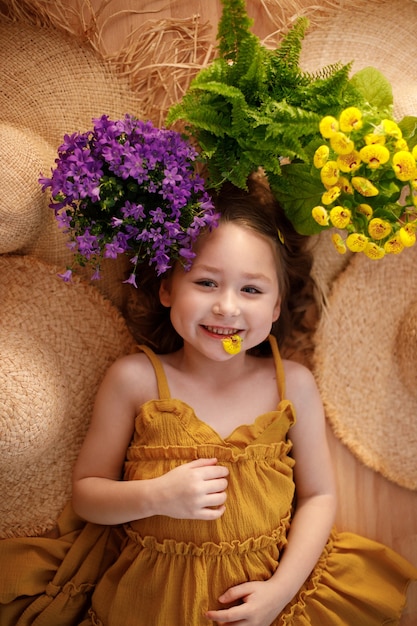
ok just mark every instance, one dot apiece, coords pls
pixel 160 57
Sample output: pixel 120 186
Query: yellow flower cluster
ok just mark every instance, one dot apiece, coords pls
pixel 369 175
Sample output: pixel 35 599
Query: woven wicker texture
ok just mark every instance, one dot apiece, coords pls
pixel 51 85
pixel 378 33
pixel 27 224
pixel 56 341
pixel 366 363
pixel 161 45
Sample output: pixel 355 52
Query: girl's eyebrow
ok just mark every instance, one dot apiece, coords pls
pixel 246 275
pixel 256 276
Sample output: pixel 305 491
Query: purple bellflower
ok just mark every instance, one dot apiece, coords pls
pixel 127 187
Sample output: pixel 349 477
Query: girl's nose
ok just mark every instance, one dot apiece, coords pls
pixel 226 305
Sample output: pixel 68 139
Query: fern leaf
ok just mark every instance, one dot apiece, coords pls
pixel 234 28
pixel 290 47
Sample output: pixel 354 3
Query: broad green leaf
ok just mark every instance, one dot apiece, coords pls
pixel 374 87
pixel 298 192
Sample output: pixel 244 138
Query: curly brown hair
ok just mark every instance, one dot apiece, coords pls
pixel 257 209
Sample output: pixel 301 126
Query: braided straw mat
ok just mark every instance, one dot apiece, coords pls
pixel 366 363
pixel 57 340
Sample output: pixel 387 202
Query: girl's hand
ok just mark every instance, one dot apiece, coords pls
pixel 195 490
pixel 256 604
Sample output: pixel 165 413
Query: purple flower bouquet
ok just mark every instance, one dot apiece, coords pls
pixel 129 187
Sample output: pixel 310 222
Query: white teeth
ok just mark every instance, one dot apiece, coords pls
pixel 222 331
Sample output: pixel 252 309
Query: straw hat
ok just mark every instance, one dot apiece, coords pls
pixel 378 33
pixel 37 107
pixel 366 363
pixel 52 84
pixel 57 340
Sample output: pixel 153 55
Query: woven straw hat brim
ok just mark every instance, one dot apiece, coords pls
pixel 57 340
pixel 52 85
pixel 378 33
pixel 24 208
pixel 366 363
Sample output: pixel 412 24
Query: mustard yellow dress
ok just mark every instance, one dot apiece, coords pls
pixel 167 572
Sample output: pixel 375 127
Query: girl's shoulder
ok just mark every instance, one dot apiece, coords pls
pixel 296 372
pixel 133 376
pixel 300 383
pixel 129 364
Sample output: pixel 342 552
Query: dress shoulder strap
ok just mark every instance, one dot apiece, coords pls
pixel 161 379
pixel 163 388
pixel 279 367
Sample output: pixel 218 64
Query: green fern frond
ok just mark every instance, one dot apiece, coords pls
pixel 252 106
pixel 253 82
pixel 228 92
pixel 218 72
pixel 288 53
pixel 328 89
pixel 233 29
pixel 204 116
pixel 291 119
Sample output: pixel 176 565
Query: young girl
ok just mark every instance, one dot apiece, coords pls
pixel 217 441
pixel 222 507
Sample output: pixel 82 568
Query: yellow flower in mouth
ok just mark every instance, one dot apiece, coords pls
pixel 408 234
pixel 374 155
pixel 350 119
pixel 391 128
pixel 232 344
pixel 374 138
pixel 349 162
pixel 338 243
pixel 320 215
pixel 364 186
pixel 331 195
pixel 404 165
pixel 321 156
pixel 373 251
pixel 379 229
pixel 366 210
pixel 329 173
pixel 328 126
pixel 340 217
pixel 341 143
pixel 356 242
pixel 394 245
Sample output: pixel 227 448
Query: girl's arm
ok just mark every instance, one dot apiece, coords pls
pixel 99 493
pixel 314 481
pixel 313 518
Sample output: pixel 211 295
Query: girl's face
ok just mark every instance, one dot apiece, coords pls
pixel 231 288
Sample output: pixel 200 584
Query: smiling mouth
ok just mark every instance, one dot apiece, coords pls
pixel 222 332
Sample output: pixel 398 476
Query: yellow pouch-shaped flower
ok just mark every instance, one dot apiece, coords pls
pixel 233 344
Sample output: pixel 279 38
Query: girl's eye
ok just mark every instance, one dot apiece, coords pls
pixel 251 290
pixel 206 283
